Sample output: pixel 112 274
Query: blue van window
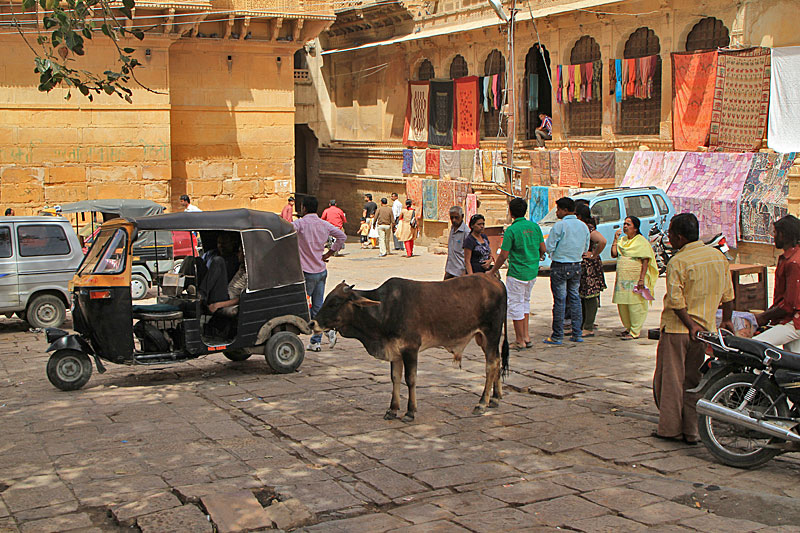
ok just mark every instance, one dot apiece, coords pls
pixel 639 206
pixel 5 242
pixel 662 205
pixel 42 239
pixel 606 211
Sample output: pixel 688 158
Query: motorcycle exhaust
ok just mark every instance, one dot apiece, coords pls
pixel 716 411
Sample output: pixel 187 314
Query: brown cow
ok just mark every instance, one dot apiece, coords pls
pixel 403 317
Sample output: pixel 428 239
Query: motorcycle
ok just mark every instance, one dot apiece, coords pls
pixel 748 412
pixel 664 251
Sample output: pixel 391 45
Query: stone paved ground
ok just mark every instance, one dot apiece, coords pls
pixel 569 447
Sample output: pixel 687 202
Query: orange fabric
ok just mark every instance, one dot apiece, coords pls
pixel 630 87
pixel 693 77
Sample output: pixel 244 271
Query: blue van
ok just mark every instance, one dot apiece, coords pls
pixel 611 206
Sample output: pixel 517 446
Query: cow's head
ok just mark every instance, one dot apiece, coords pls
pixel 339 308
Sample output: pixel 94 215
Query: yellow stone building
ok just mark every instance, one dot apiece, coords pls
pixel 219 124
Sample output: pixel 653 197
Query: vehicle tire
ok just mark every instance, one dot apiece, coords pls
pixel 69 369
pixel 731 444
pixel 284 352
pixel 139 287
pixel 46 311
pixel 237 355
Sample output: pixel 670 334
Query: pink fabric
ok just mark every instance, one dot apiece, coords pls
pixel 312 234
pixel 559 81
pixel 588 74
pixel 496 89
pixel 286 213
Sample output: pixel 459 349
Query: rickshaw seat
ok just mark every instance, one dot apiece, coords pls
pixel 157 312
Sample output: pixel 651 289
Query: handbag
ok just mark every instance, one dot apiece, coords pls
pixel 413 221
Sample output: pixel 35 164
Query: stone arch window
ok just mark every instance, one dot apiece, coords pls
pixel 708 34
pixel 585 118
pixel 538 66
pixel 494 125
pixel 300 62
pixel 425 71
pixel 643 116
pixel 458 68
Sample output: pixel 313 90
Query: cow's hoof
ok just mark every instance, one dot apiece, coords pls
pixel 494 404
pixel 479 410
pixel 408 417
pixel 390 415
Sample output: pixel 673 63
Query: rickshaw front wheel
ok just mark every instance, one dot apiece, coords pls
pixel 69 369
pixel 237 355
pixel 284 352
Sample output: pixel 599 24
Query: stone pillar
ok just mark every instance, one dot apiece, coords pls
pixel 609 101
pixel 667 47
pixel 559 120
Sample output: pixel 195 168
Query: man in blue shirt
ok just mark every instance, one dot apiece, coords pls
pixel 567 242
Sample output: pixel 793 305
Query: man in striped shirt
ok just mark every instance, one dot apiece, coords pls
pixel 545 130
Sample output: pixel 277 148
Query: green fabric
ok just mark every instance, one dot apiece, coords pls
pixel 522 240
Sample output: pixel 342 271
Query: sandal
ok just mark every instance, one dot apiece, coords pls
pixel 529 344
pixel 628 337
pixel 585 335
pixel 516 346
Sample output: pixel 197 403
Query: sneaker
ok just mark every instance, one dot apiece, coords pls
pixel 314 347
pixel 553 342
pixel 331 337
pixel 576 339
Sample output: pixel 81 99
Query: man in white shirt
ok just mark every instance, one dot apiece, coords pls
pixel 397 208
pixel 186 203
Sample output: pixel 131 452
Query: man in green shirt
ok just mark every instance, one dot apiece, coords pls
pixel 523 246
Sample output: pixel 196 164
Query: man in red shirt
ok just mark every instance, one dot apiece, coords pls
pixel 288 210
pixel 334 215
pixel 785 310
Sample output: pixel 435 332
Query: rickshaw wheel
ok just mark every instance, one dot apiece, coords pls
pixel 284 352
pixel 237 355
pixel 69 369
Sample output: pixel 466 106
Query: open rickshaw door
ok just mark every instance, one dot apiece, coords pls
pixel 102 293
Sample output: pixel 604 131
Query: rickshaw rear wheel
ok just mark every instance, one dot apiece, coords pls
pixel 46 311
pixel 69 369
pixel 237 355
pixel 284 352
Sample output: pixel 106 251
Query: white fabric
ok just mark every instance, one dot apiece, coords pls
pixel 418 165
pixel 781 335
pixel 519 297
pixel 498 172
pixel 397 208
pixel 191 208
pixel 783 134
pixel 418 121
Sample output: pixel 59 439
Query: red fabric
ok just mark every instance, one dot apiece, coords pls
pixel 570 169
pixel 630 87
pixel 693 76
pixel 335 216
pixel 588 74
pixel 409 248
pixel 432 162
pixel 787 285
pixel 466 118
pixel 422 116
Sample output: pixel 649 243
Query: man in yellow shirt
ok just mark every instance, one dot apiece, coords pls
pixel 698 279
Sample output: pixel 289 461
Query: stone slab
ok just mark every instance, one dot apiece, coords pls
pixel 177 520
pixel 235 511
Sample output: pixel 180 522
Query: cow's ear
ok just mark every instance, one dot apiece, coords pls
pixel 365 302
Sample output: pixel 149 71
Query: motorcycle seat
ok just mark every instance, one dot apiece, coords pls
pixel 788 360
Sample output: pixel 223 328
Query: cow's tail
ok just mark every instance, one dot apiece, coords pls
pixel 504 351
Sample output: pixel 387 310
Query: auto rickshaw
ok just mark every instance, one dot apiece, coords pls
pixel 272 309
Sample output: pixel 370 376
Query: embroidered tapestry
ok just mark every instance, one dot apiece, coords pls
pixel 446 198
pixel 415 128
pixel 569 169
pixel 764 196
pixel 440 117
pixel 430 199
pixel 597 168
pixel 408 160
pixel 784 100
pixel 467 118
pixel 418 161
pixel 414 193
pixel 432 162
pixel 693 78
pixel 472 206
pixel 486 164
pixel 538 205
pixel 467 163
pixel 555 167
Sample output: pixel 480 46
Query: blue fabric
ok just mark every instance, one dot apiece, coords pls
pixel 618 88
pixel 565 281
pixel 315 288
pixel 408 160
pixel 537 205
pixel 567 241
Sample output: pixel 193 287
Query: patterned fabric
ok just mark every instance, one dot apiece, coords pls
pixel 597 168
pixel 430 199
pixel 764 196
pixel 622 160
pixel 472 206
pixel 710 186
pixel 461 190
pixel 554 193
pixel 555 166
pixel 414 193
pixel 446 198
pixel 432 162
pixel 467 117
pixel 593 279
pixel 467 163
pixel 784 101
pixel 408 159
pixel 741 100
pixel 486 164
pixel 570 169
pixel 418 161
pixel 440 121
pixel 538 205
pixel 449 164
pixel 693 78
pixel 498 172
pixel 415 129
pixel 656 169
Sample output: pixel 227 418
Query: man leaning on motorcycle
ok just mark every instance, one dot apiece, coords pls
pixel 785 310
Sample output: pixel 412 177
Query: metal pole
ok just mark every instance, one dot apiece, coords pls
pixel 511 103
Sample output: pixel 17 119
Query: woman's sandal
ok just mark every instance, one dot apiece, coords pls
pixel 517 347
pixel 628 337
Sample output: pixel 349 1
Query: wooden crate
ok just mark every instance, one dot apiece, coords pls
pixel 750 296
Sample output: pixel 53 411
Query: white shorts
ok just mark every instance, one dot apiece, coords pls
pixel 519 297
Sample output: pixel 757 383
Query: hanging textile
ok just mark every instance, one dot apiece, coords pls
pixel 741 98
pixel 498 94
pixel 485 82
pixel 612 77
pixel 710 186
pixel 414 193
pixel 559 82
pixel 467 116
pixel 418 163
pixel 631 87
pixel 597 79
pixel 498 172
pixel 486 164
pixel 622 160
pixel 467 163
pixel 536 166
pixel 644 68
pixel 571 88
pixel 784 101
pixel 446 197
pixel 597 168
pixel 461 190
pixel 440 131
pixel 472 206
pixel 415 127
pixel 555 166
pixel 449 164
pixel 533 92
pixel 477 166
pixel 693 76
pixel 588 80
pixel 652 75
pixel 538 203
pixel 554 193
pixel 570 169
pixel 645 170
pixel 432 162
pixel 564 85
pixel 408 160
pixel 430 199
pixel 618 72
pixel 579 88
pixel 764 195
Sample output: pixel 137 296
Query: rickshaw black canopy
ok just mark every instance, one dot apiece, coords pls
pixel 270 243
pixel 122 207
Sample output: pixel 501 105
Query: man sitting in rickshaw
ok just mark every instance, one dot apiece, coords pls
pixel 236 287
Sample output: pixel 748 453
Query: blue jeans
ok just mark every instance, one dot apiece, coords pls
pixel 565 280
pixel 315 288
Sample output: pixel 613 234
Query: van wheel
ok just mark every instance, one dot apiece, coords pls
pixel 46 311
pixel 139 287
pixel 69 369
pixel 284 352
pixel 237 355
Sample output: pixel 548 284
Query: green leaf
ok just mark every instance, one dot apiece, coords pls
pixel 83 89
pixel 49 22
pixel 106 29
pixel 87 33
pixel 108 89
pixel 129 3
pixel 129 50
pixel 128 99
pixel 139 34
pixel 127 12
pixel 43 4
pixel 69 95
pixel 28 4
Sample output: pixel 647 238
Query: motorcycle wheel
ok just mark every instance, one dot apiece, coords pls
pixel 731 444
